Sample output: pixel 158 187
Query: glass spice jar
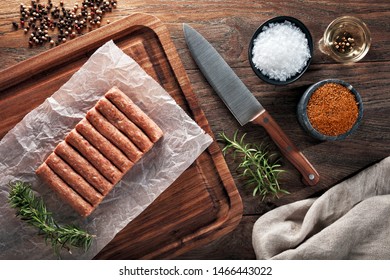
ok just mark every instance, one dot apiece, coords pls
pixel 346 39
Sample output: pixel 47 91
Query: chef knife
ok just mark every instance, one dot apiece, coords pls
pixel 241 102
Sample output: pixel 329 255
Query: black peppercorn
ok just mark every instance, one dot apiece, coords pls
pixel 15 25
pixel 41 18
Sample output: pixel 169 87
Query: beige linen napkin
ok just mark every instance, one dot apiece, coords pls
pixel 349 221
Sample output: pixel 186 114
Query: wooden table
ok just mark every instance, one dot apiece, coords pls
pixel 229 25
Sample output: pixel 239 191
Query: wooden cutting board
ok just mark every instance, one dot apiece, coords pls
pixel 203 203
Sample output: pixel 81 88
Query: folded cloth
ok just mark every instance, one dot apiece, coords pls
pixel 349 221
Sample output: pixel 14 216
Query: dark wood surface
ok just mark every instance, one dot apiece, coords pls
pixel 229 25
pixel 199 206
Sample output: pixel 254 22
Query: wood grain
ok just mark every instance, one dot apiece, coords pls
pixel 200 205
pixel 229 25
pixel 310 176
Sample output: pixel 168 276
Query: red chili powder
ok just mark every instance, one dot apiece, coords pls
pixel 332 109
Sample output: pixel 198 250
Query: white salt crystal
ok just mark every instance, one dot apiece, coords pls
pixel 280 51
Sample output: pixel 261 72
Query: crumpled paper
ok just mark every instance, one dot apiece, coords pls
pixel 28 144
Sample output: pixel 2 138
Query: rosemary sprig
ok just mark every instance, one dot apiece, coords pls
pixel 256 165
pixel 33 210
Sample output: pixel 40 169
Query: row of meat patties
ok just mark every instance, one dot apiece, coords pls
pixel 99 151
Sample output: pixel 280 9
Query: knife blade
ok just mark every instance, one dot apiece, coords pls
pixel 241 102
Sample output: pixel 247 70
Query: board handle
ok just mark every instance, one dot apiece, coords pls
pixel 288 149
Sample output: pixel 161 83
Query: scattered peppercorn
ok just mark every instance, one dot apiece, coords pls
pixel 66 23
pixel 332 109
pixel 15 25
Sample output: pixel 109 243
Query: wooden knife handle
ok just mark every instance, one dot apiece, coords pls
pixel 288 149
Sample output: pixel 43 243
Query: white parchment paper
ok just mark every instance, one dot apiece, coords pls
pixel 28 144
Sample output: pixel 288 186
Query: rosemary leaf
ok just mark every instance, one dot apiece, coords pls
pixel 256 165
pixel 32 210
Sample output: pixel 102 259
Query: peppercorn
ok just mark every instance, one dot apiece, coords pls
pixel 41 18
pixel 344 42
pixel 15 25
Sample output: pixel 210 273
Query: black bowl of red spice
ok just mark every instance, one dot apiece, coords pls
pixel 330 110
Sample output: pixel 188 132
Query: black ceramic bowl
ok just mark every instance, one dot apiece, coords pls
pixel 280 19
pixel 305 122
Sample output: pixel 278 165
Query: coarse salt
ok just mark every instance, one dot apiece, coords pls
pixel 280 51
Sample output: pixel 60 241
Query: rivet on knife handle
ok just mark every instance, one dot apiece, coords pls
pixel 241 102
pixel 288 149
